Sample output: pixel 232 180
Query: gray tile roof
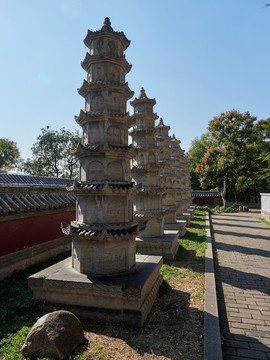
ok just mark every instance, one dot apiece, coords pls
pixel 32 180
pixel 22 194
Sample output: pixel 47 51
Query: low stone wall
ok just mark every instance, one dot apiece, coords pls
pixel 20 260
pixel 265 206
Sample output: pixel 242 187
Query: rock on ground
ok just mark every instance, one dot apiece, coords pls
pixel 54 335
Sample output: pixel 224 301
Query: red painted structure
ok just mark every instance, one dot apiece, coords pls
pixel 205 198
pixel 24 232
pixel 204 201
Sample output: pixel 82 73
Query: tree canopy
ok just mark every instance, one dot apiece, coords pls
pixel 9 155
pixel 52 154
pixel 239 157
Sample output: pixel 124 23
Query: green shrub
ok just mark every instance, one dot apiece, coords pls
pixel 222 209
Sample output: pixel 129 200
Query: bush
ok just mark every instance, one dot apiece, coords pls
pixel 222 209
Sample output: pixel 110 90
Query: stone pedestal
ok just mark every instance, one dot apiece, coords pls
pixel 166 245
pixel 126 297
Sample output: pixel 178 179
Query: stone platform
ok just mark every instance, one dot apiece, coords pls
pixel 191 211
pixel 179 225
pixel 184 216
pixel 126 297
pixel 166 246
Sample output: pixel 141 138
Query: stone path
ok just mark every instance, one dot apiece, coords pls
pixel 243 282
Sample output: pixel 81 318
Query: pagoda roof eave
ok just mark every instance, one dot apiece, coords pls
pixel 98 86
pixel 152 116
pixel 108 187
pixel 85 117
pixel 90 59
pixel 142 101
pixel 91 35
pixel 85 150
pixel 98 232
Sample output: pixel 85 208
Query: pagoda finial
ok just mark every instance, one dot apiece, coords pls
pixel 142 94
pixel 161 123
pixel 107 25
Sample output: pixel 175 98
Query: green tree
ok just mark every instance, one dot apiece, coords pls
pixel 195 154
pixel 263 128
pixel 235 161
pixel 9 155
pixel 52 154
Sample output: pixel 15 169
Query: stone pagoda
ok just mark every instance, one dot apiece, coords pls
pixel 179 171
pixel 146 174
pixel 186 185
pixel 103 279
pixel 168 178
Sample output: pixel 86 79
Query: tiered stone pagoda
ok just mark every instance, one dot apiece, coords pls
pixel 180 176
pixel 168 178
pixel 146 174
pixel 103 279
pixel 186 185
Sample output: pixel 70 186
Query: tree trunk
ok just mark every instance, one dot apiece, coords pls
pixel 223 193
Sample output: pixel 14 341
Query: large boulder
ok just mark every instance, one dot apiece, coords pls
pixel 54 335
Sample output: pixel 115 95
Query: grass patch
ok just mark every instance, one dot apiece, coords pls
pixel 173 330
pixel 17 312
pixel 264 221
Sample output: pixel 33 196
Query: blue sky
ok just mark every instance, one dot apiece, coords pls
pixel 198 58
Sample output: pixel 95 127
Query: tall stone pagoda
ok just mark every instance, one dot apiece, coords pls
pixel 103 279
pixel 179 171
pixel 146 174
pixel 186 185
pixel 168 178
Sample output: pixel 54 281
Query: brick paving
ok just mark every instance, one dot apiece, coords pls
pixel 243 284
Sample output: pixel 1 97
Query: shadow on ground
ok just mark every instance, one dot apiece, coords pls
pixel 242 249
pixel 237 346
pixel 171 329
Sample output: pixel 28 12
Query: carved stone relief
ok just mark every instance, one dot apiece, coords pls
pixel 98 47
pixel 95 171
pixel 97 103
pixel 85 134
pixel 99 73
pixel 152 158
pixel 141 159
pixel 94 133
pixel 87 103
pixel 142 179
pixel 116 210
pixel 93 210
pixel 90 74
pixel 112 48
pixel 115 171
pixel 114 135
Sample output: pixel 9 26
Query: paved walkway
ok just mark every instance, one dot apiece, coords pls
pixel 243 282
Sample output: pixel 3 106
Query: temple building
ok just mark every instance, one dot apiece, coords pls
pixel 146 175
pixel 103 279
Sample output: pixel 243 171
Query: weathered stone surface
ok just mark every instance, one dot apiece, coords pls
pixel 126 297
pixel 54 335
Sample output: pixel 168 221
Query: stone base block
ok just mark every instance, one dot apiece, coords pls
pixel 179 225
pixel 167 245
pixel 184 216
pixel 192 212
pixel 126 297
